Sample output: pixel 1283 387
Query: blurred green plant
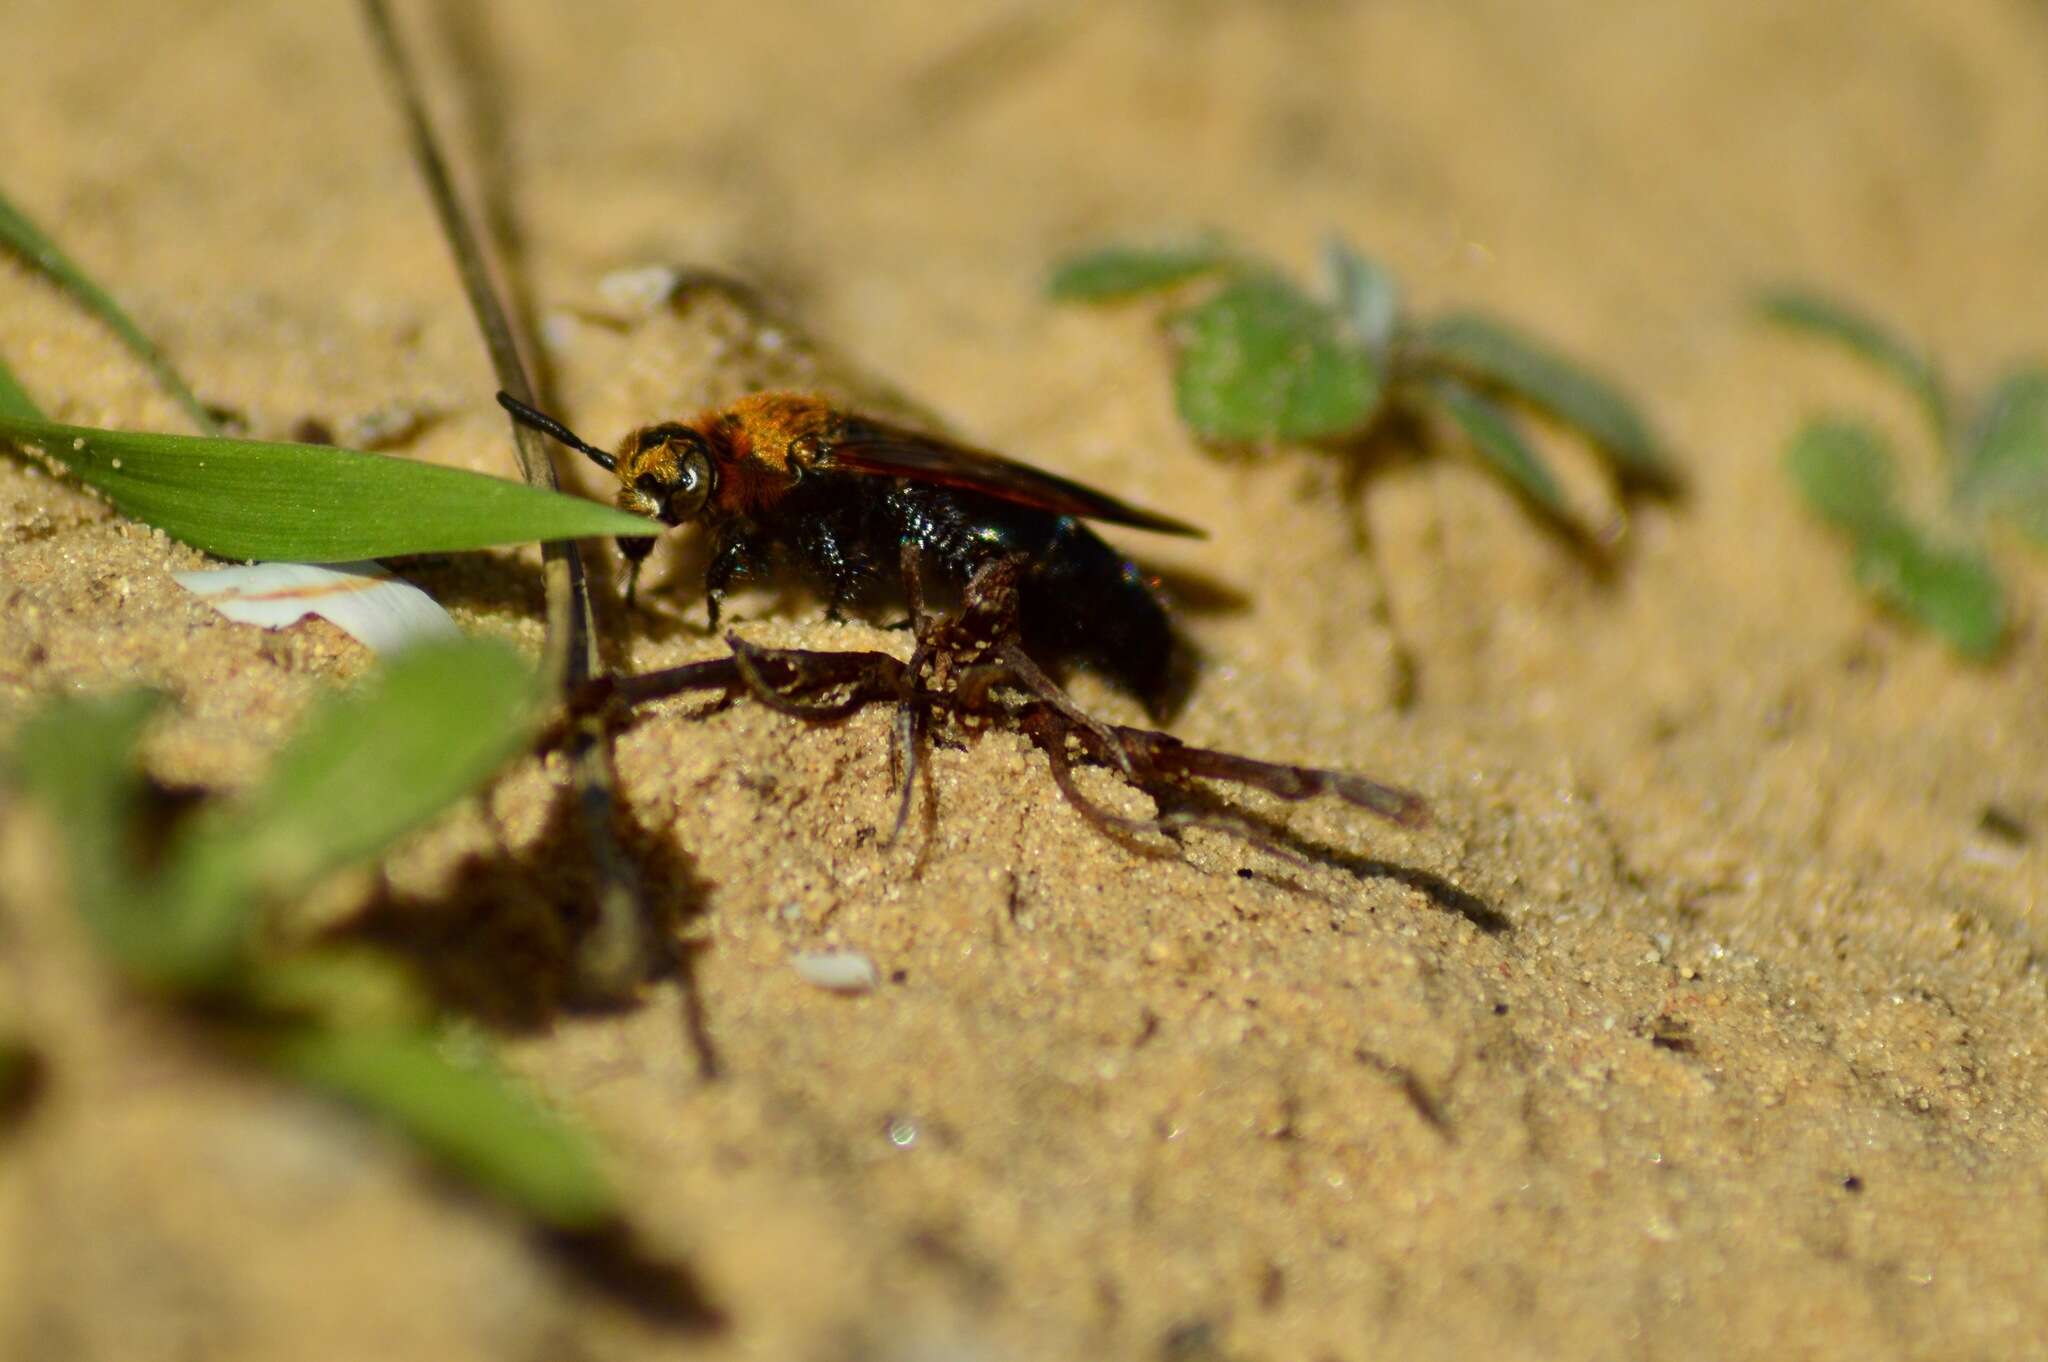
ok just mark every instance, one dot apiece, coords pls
pixel 191 907
pixel 1931 570
pixel 260 499
pixel 1257 358
pixel 34 246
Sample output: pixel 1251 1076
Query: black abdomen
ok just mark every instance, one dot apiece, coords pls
pixel 1080 597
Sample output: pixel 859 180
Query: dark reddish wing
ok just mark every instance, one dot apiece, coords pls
pixel 860 445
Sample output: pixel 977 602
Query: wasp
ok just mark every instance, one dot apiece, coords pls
pixel 778 479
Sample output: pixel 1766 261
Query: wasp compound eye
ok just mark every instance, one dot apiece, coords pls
pixel 692 485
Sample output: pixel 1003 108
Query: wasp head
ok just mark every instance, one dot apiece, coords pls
pixel 665 471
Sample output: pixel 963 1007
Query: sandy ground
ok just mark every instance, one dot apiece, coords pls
pixel 1708 1020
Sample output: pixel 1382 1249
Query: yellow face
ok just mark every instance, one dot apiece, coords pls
pixel 666 472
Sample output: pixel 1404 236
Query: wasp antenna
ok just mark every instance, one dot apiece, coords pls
pixel 548 425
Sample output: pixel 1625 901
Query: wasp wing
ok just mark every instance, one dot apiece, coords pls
pixel 861 445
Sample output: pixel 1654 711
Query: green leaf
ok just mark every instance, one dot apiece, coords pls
pixel 1953 592
pixel 1494 435
pixel 1122 271
pixel 14 399
pixel 20 235
pixel 1844 471
pixel 1500 356
pixel 2004 470
pixel 467 1113
pixel 367 768
pixel 77 756
pixel 1260 361
pixel 336 986
pixel 1815 315
pixel 1368 296
pixel 310 503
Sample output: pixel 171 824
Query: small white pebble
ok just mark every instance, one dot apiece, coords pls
pixel 839 971
pixel 558 333
pixel 640 289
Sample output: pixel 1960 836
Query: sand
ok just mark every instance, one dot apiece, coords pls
pixel 1707 1019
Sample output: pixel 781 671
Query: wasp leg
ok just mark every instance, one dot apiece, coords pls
pixel 1167 756
pixel 1051 732
pixel 634 549
pixel 861 679
pixel 909 710
pixel 1026 673
pixel 736 555
pixel 1051 739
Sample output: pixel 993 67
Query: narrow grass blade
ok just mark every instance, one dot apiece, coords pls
pixel 2004 469
pixel 1815 315
pixel 367 768
pixel 309 503
pixel 1497 355
pixel 469 1114
pixel 1124 271
pixel 618 952
pixel 1494 435
pixel 77 756
pixel 336 986
pixel 1844 471
pixel 1368 296
pixel 1951 591
pixel 1260 361
pixel 20 235
pixel 15 403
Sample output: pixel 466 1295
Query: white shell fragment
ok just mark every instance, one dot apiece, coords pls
pixel 377 609
pixel 839 971
pixel 640 290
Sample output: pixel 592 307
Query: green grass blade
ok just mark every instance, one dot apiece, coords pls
pixel 20 235
pixel 1494 435
pixel 1368 296
pixel 336 986
pixel 468 1114
pixel 2004 469
pixel 1844 471
pixel 1123 271
pixel 1260 361
pixel 1951 591
pixel 310 503
pixel 15 403
pixel 1814 315
pixel 367 768
pixel 77 756
pixel 1492 353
